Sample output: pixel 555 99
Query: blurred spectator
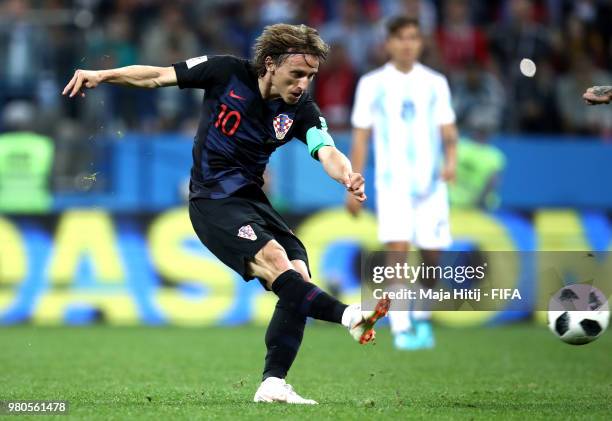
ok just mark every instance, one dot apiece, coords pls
pixel 273 11
pixel 459 42
pixel 26 159
pixel 22 51
pixel 244 28
pixel 350 31
pixel 478 99
pixel 335 86
pixel 71 140
pixel 580 37
pixel 575 116
pixel 586 10
pixel 42 42
pixel 166 41
pixel 519 37
pixel 310 12
pixel 65 46
pixel 113 46
pixel 211 26
pixel 423 10
pixel 478 168
pixel 536 109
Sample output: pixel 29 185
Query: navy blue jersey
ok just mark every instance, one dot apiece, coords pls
pixel 238 129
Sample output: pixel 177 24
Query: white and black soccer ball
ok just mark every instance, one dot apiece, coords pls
pixel 578 314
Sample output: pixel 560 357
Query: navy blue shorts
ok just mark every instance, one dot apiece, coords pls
pixel 235 228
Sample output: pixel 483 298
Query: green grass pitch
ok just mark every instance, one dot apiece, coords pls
pixel 516 372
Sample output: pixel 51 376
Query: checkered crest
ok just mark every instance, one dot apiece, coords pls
pixel 247 232
pixel 281 124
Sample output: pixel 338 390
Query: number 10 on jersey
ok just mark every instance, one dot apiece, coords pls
pixel 225 118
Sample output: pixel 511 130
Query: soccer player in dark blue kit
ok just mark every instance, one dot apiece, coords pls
pixel 251 108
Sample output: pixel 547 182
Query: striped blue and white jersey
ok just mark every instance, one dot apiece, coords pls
pixel 405 112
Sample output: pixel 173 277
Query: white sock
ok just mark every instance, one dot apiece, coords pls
pixel 421 314
pixel 399 321
pixel 274 380
pixel 350 313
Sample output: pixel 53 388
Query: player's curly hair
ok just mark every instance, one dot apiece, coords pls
pixel 281 40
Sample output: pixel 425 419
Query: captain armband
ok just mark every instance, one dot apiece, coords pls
pixel 317 138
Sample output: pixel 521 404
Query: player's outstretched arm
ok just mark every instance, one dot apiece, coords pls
pixel 598 95
pixel 132 76
pixel 338 167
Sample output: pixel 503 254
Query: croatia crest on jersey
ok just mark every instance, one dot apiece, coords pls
pixel 247 232
pixel 282 123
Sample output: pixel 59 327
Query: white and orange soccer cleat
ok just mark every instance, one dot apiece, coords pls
pixel 274 389
pixel 361 323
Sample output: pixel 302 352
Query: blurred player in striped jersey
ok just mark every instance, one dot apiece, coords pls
pixel 406 106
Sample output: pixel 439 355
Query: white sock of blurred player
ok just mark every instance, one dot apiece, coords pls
pixel 399 316
pixel 421 314
pixel 399 321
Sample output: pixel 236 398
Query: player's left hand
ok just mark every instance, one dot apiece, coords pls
pixel 449 171
pixel 353 206
pixel 355 185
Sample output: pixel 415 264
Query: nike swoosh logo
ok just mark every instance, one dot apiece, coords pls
pixel 232 94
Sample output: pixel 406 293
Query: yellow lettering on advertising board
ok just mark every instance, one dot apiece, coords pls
pixel 562 231
pixel 116 308
pixel 85 234
pixel 489 235
pixel 13 261
pixel 177 264
pixel 559 230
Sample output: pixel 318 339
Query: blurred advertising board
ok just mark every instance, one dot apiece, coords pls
pixel 85 266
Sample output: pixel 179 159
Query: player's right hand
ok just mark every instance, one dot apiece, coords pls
pixel 592 97
pixel 353 206
pixel 82 78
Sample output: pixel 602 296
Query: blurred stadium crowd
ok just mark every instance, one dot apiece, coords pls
pixel 477 44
